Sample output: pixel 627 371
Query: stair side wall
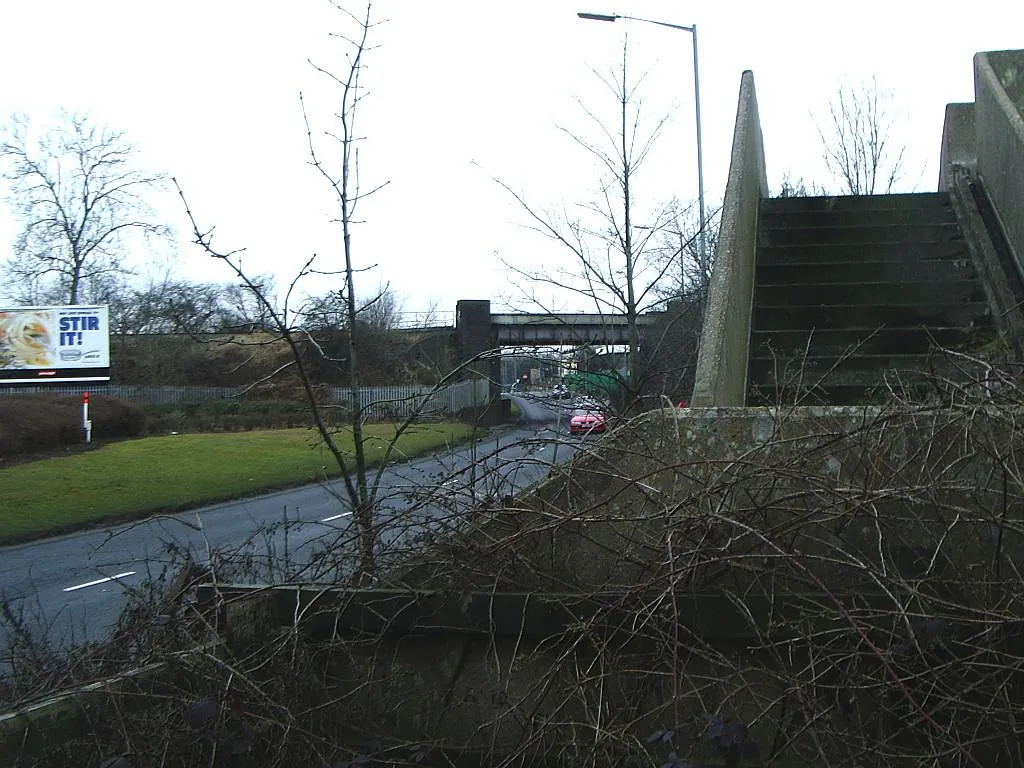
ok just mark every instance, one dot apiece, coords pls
pixel 959 143
pixel 721 376
pixel 999 99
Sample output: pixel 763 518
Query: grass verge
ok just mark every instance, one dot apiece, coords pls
pixel 133 478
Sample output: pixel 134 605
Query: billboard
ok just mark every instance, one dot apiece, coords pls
pixel 40 344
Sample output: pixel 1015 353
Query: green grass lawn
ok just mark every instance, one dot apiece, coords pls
pixel 133 478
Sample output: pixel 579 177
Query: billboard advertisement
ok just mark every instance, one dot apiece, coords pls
pixel 40 344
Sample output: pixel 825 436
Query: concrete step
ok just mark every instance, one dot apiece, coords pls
pixel 858 370
pixel 826 393
pixel 894 315
pixel 935 201
pixel 854 291
pixel 790 219
pixel 860 234
pixel 866 271
pixel 853 252
pixel 880 341
pixel 939 292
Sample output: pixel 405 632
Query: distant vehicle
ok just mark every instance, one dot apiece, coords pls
pixel 561 392
pixel 607 385
pixel 585 421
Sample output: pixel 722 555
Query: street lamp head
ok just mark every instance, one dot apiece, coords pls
pixel 597 16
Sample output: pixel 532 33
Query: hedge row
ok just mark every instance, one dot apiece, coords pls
pixel 37 423
pixel 32 424
pixel 232 416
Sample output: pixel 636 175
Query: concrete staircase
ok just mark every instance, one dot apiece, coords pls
pixel 854 293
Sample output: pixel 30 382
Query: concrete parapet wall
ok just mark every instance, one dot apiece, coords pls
pixel 999 98
pixel 999 290
pixel 898 478
pixel 499 674
pixel 565 328
pixel 959 145
pixel 721 377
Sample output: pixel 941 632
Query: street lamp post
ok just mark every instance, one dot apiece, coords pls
pixel 696 97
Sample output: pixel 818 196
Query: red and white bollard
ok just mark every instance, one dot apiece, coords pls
pixel 86 424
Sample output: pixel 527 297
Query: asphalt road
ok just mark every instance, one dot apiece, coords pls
pixel 72 588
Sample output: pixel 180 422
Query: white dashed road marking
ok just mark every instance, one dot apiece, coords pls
pixel 335 517
pixel 99 581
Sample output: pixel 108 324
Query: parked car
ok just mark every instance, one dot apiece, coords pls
pixel 585 421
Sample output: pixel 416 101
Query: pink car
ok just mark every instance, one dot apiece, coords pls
pixel 585 421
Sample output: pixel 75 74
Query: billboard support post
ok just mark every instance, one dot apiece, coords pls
pixel 86 423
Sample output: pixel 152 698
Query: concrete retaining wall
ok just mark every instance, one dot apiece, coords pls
pixel 721 378
pixel 999 99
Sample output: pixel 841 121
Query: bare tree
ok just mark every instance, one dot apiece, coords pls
pixel 688 270
pixel 361 484
pixel 343 179
pixel 80 200
pixel 330 311
pixel 166 305
pixel 245 307
pixel 614 261
pixel 797 187
pixel 386 344
pixel 856 141
pixel 383 311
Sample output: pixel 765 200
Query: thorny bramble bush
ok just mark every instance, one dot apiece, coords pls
pixel 791 586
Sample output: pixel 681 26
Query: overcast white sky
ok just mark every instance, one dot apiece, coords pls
pixel 463 91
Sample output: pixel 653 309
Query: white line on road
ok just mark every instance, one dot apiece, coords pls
pixel 99 581
pixel 335 517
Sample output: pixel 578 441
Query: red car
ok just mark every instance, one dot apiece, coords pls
pixel 585 421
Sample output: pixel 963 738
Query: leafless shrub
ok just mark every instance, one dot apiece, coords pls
pixel 790 586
